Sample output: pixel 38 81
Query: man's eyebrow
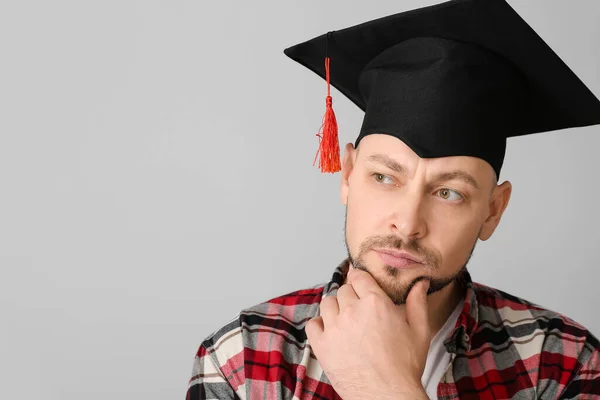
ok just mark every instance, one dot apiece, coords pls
pixel 388 162
pixel 457 175
pixel 442 176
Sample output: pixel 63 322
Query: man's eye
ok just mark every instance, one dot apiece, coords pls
pixel 380 178
pixel 449 194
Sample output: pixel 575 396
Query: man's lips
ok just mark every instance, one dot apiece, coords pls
pixel 397 259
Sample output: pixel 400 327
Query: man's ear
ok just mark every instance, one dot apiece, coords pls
pixel 498 203
pixel 348 161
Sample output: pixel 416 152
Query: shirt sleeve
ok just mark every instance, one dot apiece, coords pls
pixel 586 381
pixel 208 381
pixel 218 372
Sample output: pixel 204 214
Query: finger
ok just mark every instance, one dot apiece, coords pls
pixel 314 331
pixel 329 310
pixel 346 296
pixel 416 308
pixel 364 284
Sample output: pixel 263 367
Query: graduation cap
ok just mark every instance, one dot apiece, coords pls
pixel 455 78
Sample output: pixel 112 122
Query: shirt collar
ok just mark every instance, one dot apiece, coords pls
pixel 466 324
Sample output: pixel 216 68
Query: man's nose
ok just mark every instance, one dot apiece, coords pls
pixel 409 220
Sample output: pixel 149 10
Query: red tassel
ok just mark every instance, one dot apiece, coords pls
pixel 329 147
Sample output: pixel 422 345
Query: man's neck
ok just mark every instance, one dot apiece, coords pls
pixel 441 304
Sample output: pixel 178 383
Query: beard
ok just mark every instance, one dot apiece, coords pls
pixel 396 290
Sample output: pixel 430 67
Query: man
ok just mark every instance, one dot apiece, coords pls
pixel 442 88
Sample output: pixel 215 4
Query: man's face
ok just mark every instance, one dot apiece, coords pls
pixel 433 209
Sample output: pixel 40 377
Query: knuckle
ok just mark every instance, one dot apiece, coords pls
pixel 344 289
pixel 328 302
pixel 373 299
pixel 312 323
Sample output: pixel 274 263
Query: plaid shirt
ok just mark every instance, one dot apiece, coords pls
pixel 501 347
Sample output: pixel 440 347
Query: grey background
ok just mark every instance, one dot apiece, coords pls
pixel 156 177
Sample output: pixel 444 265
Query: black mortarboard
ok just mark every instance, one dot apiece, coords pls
pixel 455 78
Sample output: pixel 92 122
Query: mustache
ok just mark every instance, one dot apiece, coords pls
pixel 429 257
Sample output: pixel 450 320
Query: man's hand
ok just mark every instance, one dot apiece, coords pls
pixel 369 347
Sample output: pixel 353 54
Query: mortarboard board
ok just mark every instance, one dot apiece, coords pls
pixel 455 78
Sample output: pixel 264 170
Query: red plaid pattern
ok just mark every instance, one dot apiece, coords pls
pixel 502 347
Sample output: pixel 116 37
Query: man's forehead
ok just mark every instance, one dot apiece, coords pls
pixel 404 164
pixel 381 147
pixel 392 153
